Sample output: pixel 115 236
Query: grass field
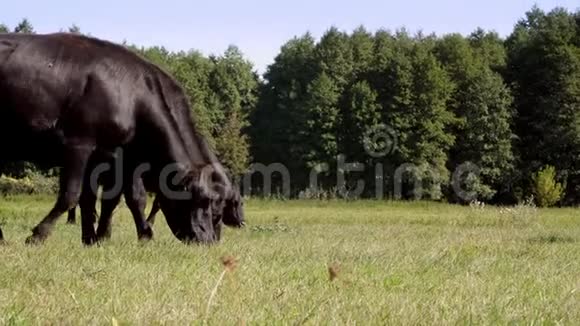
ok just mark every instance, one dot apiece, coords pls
pixel 302 262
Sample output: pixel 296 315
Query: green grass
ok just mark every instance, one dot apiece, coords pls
pixel 397 263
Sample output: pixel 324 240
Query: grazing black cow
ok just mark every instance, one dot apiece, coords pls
pixel 226 208
pixel 72 101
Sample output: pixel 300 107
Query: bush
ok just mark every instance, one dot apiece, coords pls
pixel 12 186
pixel 32 183
pixel 547 191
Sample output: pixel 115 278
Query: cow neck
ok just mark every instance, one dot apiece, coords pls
pixel 195 145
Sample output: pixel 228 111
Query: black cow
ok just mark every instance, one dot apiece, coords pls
pixel 73 101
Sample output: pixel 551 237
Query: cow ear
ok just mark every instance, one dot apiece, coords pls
pixel 201 192
pixel 222 191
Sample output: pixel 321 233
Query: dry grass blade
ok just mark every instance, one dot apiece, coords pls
pixel 230 264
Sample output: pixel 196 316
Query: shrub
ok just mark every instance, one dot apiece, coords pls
pixel 32 183
pixel 547 191
pixel 11 186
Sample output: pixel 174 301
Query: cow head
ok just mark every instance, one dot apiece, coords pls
pixel 233 210
pixel 190 216
pixel 229 205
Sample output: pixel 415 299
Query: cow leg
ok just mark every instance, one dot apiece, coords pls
pixel 71 178
pixel 1 235
pixel 107 208
pixel 87 203
pixel 136 199
pixel 155 208
pixel 71 216
pixel 218 231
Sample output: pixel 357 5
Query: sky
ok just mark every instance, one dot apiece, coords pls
pixel 258 27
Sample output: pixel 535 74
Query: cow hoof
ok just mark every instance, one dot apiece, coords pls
pixel 39 234
pixel 103 233
pixel 90 240
pixel 103 236
pixel 147 235
pixel 69 222
pixel 35 239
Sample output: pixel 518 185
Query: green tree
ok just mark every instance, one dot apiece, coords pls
pixel 193 71
pixel 547 190
pixel 360 121
pixel 4 28
pixel 482 103
pixel 335 56
pixel 157 55
pixel 543 72
pixel 321 114
pixel 24 26
pixel 430 138
pixel 360 114
pixel 413 90
pixel 362 44
pixel 278 124
pixel 359 109
pixel 234 85
pixel 490 48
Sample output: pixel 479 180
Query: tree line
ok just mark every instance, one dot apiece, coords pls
pixel 505 109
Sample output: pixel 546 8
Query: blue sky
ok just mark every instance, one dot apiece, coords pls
pixel 260 27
